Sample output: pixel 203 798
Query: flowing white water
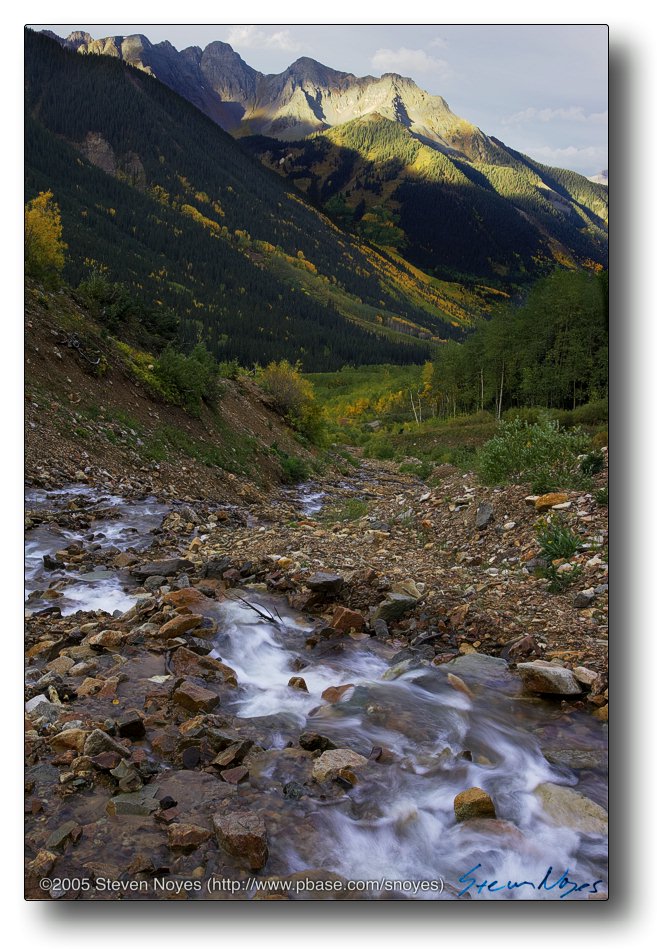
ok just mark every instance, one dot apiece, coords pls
pixel 114 522
pixel 398 822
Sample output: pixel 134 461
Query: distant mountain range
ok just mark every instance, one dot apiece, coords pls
pixel 388 161
pixel 307 97
pixel 397 224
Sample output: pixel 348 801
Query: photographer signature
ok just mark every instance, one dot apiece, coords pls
pixel 494 886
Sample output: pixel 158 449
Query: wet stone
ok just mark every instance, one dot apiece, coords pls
pixel 243 835
pixel 63 835
pixel 187 836
pixel 473 803
pixel 99 741
pixel 191 757
pixel 195 698
pixel 311 741
pixel 331 763
pixel 131 725
pixel 235 775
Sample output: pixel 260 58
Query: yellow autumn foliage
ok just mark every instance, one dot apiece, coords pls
pixel 44 246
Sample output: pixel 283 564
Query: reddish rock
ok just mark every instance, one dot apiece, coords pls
pixel 233 754
pixel 243 835
pixel 235 775
pixel 179 625
pixel 187 836
pixel 195 698
pixel 189 598
pixel 346 619
pixel 186 662
pixel 335 692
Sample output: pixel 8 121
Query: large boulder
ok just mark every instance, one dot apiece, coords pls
pixel 545 678
pixel 243 835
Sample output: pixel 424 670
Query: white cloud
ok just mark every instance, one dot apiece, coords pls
pixel 575 113
pixel 439 43
pixel 250 37
pixel 572 156
pixel 409 62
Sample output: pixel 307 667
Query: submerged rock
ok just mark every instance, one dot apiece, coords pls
pixel 243 835
pixel 330 763
pixel 565 807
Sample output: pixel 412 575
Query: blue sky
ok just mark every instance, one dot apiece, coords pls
pixel 541 89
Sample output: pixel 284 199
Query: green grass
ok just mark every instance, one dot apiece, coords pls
pixel 350 509
pixel 229 453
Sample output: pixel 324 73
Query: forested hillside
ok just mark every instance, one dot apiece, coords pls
pixel 155 193
pixel 505 218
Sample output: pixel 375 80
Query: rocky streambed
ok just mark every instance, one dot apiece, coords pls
pixel 205 720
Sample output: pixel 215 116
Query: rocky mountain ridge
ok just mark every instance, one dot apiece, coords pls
pixel 306 97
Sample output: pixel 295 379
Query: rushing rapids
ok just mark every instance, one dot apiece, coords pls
pixel 423 739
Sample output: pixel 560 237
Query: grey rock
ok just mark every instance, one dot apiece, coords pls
pixel 154 583
pixel 99 741
pixel 584 599
pixel 162 568
pixel 66 833
pixel 545 678
pixel 324 582
pixel 484 516
pixel 214 569
pixel 393 607
pixel 380 628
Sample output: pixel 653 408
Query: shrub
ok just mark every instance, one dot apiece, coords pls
pixel 556 539
pixel 542 454
pixel 593 413
pixel 593 463
pixel 188 380
pixel 294 397
pixel 600 439
pixel 293 470
pixel 602 496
